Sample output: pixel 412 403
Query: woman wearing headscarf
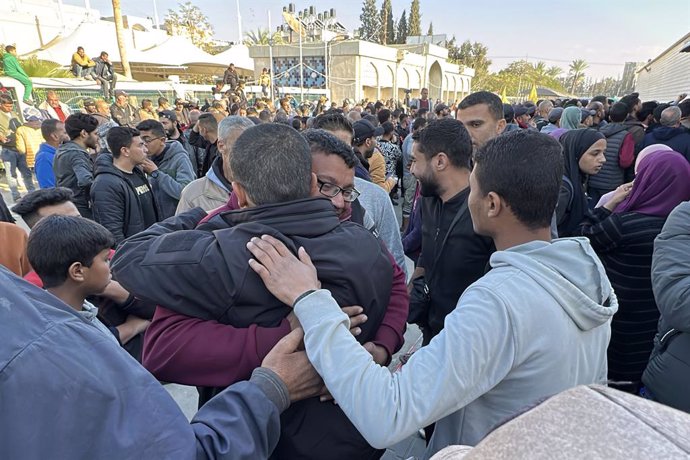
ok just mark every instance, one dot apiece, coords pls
pixel 622 233
pixel 643 153
pixel 570 119
pixel 583 155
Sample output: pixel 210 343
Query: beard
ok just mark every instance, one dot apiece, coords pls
pixel 170 132
pixel 428 186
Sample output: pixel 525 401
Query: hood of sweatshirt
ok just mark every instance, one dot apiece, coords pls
pixel 665 133
pixel 571 272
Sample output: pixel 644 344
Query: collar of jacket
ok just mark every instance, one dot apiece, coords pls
pixel 306 218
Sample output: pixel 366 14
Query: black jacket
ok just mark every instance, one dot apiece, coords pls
pixel 197 140
pixel 203 272
pixel 450 268
pixel 115 202
pixel 73 169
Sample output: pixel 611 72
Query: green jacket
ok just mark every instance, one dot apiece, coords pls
pixel 12 65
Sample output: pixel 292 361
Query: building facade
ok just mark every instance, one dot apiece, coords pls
pixel 358 70
pixel 666 76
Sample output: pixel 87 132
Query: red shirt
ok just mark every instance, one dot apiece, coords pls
pixel 60 113
pixel 191 351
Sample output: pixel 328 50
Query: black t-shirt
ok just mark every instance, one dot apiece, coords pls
pixel 145 195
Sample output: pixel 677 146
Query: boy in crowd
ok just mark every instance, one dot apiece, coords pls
pixel 71 256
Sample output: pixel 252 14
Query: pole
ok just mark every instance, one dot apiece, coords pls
pixel 239 22
pixel 155 15
pixel 270 55
pixel 325 60
pixel 301 69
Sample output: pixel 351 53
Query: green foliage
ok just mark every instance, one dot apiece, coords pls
pixel 430 32
pixel 189 21
pixel 371 22
pixel 577 74
pixel 401 34
pixel 415 26
pixel 37 68
pixel 387 35
pixel 262 37
pixel 472 55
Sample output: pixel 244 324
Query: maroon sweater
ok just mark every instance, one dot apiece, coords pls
pixel 191 351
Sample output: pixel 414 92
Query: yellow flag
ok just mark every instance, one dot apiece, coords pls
pixel 504 99
pixel 533 93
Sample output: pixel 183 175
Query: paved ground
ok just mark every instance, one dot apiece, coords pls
pixel 186 397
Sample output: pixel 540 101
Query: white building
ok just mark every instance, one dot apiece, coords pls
pixel 666 76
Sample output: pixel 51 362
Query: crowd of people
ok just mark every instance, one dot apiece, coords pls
pixel 253 250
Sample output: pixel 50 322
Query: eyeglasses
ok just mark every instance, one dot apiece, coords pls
pixel 331 191
pixel 148 141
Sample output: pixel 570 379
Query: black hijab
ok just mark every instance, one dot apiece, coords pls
pixel 575 143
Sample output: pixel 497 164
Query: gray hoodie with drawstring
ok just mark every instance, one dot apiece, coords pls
pixel 536 324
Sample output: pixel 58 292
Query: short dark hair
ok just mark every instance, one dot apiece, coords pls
pixel 32 202
pixel 144 101
pixel 333 121
pixel 155 126
pixel 484 97
pixel 402 116
pixel 526 169
pixel 208 121
pixel 272 162
pixel 602 99
pixel 646 110
pixel 383 116
pixel 618 112
pixel 162 99
pixel 388 127
pixel 6 98
pixel 48 127
pixel 448 136
pixel 322 141
pixel 119 137
pixel 10 48
pixel 371 119
pixel 265 115
pixel 419 123
pixel 297 123
pixel 657 111
pixel 630 100
pixel 684 108
pixel 75 123
pixel 57 242
pixel 80 48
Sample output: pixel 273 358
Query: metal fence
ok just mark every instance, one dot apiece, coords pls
pixel 74 98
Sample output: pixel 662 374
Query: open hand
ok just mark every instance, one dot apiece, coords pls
pixel 293 367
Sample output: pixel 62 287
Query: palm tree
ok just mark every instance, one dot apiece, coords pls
pixel 554 71
pixel 577 69
pixel 261 37
pixel 117 14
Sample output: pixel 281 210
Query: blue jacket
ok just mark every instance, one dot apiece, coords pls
pixel 676 138
pixel 68 391
pixel 44 166
pixel 175 171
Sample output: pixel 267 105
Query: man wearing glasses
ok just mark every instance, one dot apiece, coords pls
pixel 168 166
pixel 195 266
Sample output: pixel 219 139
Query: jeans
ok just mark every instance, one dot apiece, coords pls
pixel 14 160
pixel 81 71
pixel 107 86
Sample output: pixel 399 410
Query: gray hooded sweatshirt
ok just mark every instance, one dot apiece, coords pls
pixel 538 323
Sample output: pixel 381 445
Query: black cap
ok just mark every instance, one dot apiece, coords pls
pixel 555 114
pixel 169 114
pixel 364 130
pixel 89 101
pixel 519 110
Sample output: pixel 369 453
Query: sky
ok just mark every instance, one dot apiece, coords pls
pixel 605 33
